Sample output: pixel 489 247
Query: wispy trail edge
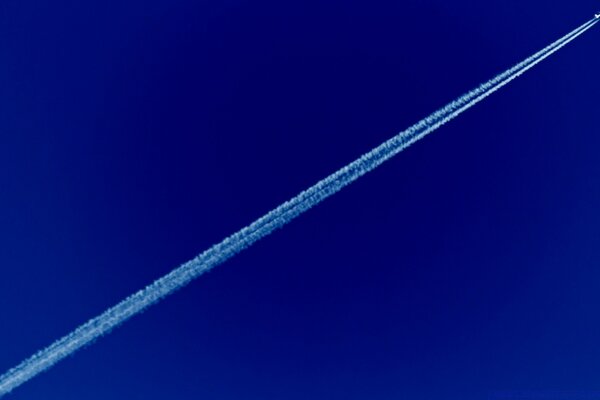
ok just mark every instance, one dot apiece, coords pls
pixel 262 227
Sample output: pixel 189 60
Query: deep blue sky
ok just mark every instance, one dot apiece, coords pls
pixel 135 134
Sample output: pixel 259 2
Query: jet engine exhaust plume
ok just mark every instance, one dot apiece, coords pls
pixel 275 219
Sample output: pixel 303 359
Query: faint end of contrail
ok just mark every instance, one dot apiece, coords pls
pixel 265 225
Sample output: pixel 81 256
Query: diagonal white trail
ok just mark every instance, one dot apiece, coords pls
pixel 262 227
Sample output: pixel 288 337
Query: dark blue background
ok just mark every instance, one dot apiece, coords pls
pixel 135 134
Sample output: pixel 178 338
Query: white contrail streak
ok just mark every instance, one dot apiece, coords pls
pixel 273 220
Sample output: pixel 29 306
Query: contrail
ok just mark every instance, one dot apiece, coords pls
pixel 262 227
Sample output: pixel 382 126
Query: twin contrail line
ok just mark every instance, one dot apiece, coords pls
pixel 262 227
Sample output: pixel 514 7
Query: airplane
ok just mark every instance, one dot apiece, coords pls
pixel 597 16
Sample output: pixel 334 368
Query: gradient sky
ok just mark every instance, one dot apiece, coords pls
pixel 135 134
